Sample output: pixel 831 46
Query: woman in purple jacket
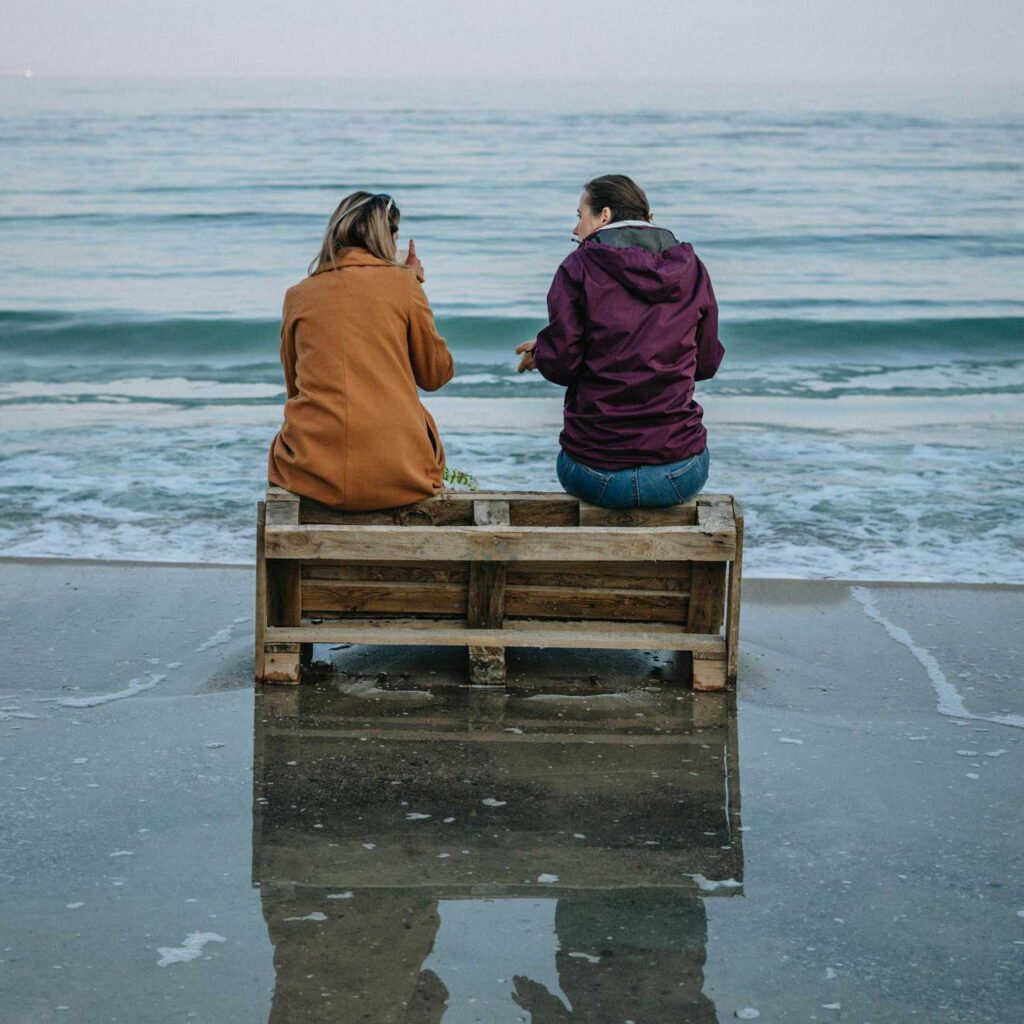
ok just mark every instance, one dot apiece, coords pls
pixel 633 324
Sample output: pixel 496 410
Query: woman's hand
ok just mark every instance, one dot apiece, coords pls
pixel 526 351
pixel 413 262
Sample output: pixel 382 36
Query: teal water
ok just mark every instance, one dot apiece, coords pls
pixel 867 253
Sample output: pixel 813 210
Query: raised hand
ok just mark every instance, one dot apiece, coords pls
pixel 526 351
pixel 413 261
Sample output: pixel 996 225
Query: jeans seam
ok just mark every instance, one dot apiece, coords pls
pixel 689 464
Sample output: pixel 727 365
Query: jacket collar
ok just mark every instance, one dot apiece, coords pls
pixel 353 256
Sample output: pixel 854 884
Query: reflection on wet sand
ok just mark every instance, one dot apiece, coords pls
pixel 466 855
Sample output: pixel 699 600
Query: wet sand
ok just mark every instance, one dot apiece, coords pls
pixel 841 842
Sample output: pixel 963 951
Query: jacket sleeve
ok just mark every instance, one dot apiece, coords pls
pixel 432 363
pixel 709 349
pixel 560 345
pixel 288 350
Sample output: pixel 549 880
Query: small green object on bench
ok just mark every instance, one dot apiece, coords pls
pixel 493 570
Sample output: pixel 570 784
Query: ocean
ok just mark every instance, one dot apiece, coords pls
pixel 867 251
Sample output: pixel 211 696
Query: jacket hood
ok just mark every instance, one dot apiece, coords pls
pixel 648 261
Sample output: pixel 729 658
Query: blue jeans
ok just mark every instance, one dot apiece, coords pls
pixel 642 487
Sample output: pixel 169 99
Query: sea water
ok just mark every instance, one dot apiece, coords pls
pixel 867 252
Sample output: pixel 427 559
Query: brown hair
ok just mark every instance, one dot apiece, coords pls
pixel 623 196
pixel 362 220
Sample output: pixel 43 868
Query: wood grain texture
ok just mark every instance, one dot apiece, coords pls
pixel 675 515
pixel 486 599
pixel 487 666
pixel 708 675
pixel 495 543
pixel 707 597
pixel 331 599
pixel 596 603
pixel 515 633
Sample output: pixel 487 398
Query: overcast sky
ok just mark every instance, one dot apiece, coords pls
pixel 875 41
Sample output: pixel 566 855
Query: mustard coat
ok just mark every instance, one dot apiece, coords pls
pixel 356 341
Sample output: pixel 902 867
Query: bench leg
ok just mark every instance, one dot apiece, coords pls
pixel 708 675
pixel 487 666
pixel 282 664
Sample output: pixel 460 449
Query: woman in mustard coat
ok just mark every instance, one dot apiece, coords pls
pixel 357 339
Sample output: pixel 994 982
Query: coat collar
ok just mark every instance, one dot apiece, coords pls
pixel 353 257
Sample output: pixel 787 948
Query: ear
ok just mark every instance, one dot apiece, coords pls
pixel 606 215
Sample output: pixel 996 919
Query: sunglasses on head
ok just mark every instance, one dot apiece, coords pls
pixel 384 197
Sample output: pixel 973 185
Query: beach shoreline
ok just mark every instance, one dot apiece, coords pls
pixel 877 824
pixel 750 579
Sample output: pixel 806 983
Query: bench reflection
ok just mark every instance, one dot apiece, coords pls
pixel 465 855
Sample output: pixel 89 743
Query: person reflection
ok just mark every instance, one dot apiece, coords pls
pixel 397 890
pixel 625 955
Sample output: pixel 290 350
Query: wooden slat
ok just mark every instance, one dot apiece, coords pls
pixel 707 597
pixel 573 603
pixel 714 518
pixel 282 507
pixel 433 512
pixel 486 600
pixel 612 575
pixel 328 599
pixel 515 633
pixel 659 576
pixel 495 543
pixel 387 598
pixel 451 510
pixel 387 572
pixel 675 515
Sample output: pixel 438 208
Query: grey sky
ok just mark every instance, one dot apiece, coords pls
pixel 876 41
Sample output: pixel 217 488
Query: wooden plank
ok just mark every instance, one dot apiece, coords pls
pixel 617 575
pixel 433 512
pixel 732 625
pixel 487 666
pixel 675 515
pixel 521 497
pixel 282 507
pixel 715 518
pixel 708 675
pixel 329 599
pixel 707 597
pixel 261 592
pixel 486 599
pixel 614 575
pixel 452 509
pixel 284 608
pixel 386 572
pixel 384 598
pixel 579 603
pixel 281 663
pixel 515 633
pixel 496 543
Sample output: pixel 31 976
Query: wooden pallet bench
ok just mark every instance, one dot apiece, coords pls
pixel 489 571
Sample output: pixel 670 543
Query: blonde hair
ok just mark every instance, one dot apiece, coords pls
pixel 362 220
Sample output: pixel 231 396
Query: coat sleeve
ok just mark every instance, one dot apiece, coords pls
pixel 709 349
pixel 288 350
pixel 432 363
pixel 560 345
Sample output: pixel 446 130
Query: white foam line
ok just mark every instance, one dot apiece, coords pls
pixel 949 700
pixel 222 636
pixel 711 885
pixel 191 949
pixel 130 690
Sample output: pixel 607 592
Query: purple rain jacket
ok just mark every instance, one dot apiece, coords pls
pixel 633 323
